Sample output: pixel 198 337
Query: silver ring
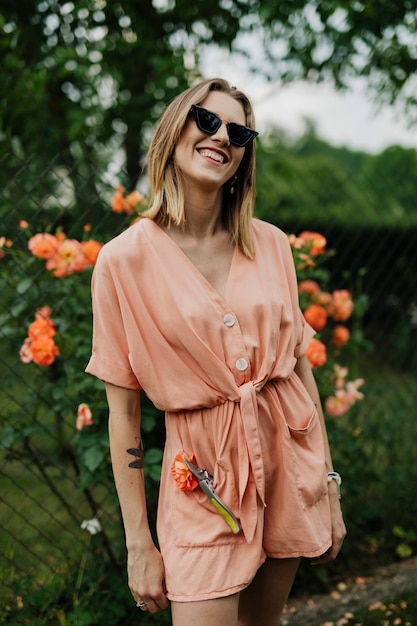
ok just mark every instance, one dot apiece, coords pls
pixel 140 605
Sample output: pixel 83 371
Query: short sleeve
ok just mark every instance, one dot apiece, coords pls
pixel 110 350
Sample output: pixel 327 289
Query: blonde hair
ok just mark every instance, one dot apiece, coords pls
pixel 167 192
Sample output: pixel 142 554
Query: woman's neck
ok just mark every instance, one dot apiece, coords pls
pixel 203 214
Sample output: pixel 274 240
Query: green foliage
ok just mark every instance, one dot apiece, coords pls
pixel 408 538
pixel 311 182
pixel 339 40
pixel 95 75
pixel 88 594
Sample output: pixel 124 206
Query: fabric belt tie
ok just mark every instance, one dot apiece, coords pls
pixel 251 476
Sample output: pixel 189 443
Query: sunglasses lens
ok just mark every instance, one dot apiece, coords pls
pixel 240 135
pixel 207 121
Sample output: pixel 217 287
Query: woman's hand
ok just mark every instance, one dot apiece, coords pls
pixel 146 578
pixel 338 528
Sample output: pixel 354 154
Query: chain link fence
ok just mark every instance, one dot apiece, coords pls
pixel 60 525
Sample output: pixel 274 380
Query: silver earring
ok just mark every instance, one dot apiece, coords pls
pixel 232 185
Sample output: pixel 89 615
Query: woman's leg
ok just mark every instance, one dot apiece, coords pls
pixel 217 612
pixel 263 601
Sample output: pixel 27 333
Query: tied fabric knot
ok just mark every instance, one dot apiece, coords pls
pixel 251 475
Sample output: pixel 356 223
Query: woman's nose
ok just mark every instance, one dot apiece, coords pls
pixel 222 135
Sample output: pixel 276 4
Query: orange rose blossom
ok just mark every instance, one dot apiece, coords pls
pixel 84 416
pixel 182 475
pixel 39 346
pixel 316 353
pixel 64 256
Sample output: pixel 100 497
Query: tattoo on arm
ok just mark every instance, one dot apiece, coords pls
pixel 139 462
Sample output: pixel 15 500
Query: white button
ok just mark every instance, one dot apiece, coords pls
pixel 229 319
pixel 241 365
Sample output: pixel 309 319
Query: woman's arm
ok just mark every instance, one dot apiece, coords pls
pixel 304 372
pixel 145 567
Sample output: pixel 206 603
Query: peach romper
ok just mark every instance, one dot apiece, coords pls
pixel 223 372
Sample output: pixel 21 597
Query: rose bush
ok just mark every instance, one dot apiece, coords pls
pixel 329 313
pixel 48 276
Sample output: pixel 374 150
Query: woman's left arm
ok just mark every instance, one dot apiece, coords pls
pixel 304 372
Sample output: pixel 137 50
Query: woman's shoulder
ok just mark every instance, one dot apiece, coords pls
pixel 130 239
pixel 268 232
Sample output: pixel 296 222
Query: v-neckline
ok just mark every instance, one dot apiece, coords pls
pixel 194 268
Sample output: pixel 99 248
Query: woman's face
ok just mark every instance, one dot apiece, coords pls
pixel 209 161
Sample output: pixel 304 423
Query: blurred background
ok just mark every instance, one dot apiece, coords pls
pixel 81 86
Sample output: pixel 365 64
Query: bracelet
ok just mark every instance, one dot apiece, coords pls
pixel 337 478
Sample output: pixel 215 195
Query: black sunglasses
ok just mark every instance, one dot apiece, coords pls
pixel 209 123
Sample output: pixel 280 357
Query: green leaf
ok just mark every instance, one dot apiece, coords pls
pixel 93 456
pixel 404 551
pixel 24 285
pixel 8 437
pixel 153 455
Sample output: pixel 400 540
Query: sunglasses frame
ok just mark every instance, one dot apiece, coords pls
pixel 196 110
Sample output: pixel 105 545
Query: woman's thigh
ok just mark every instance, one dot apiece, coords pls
pixel 263 601
pixel 217 612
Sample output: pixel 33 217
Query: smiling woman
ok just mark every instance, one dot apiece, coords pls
pixel 166 182
pixel 211 329
pixel 207 161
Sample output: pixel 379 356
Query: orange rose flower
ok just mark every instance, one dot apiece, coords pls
pixel 338 404
pixel 182 475
pixel 125 204
pixel 318 242
pixel 91 249
pixel 25 353
pixel 295 242
pixel 132 200
pixel 69 258
pixel 44 350
pixel 304 261
pixel 316 353
pixel 118 200
pixel 316 316
pixel 44 312
pixel 309 286
pixel 341 336
pixel 324 299
pixel 43 245
pixel 4 243
pixel 41 326
pixel 352 389
pixel 39 346
pixel 84 416
pixel 342 305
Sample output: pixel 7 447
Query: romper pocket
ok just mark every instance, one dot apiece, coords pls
pixel 308 458
pixel 197 523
